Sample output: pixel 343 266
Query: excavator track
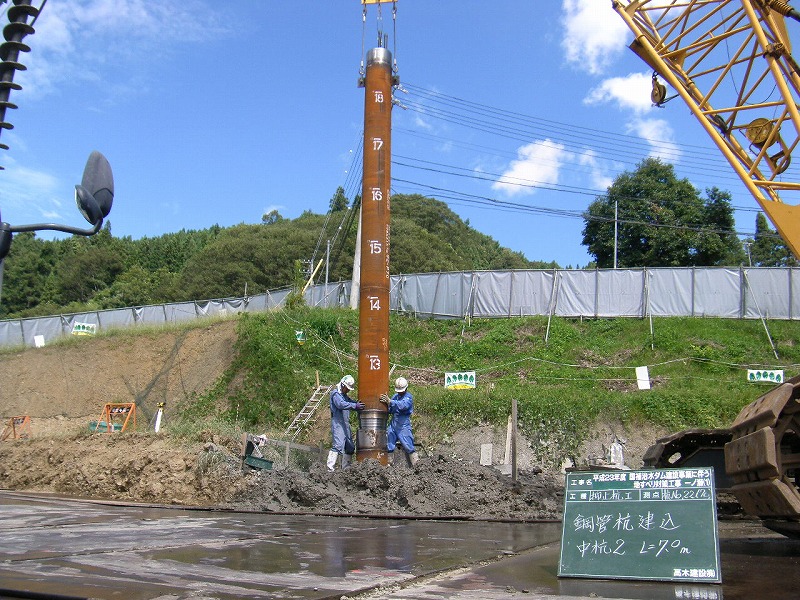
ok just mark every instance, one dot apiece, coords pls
pixel 763 458
pixel 756 459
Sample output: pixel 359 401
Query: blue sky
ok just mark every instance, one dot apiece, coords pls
pixel 517 113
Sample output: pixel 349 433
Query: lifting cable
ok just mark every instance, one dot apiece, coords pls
pixel 382 38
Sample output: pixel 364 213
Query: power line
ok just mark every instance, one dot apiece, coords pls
pixel 496 204
pixel 519 181
pixel 514 125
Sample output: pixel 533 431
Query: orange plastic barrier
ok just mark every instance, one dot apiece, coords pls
pixel 111 416
pixel 17 428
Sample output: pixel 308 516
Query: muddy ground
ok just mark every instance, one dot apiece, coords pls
pixel 63 388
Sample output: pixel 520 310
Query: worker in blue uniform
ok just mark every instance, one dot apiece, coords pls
pixel 341 405
pixel 400 406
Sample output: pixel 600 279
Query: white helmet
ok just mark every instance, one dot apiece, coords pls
pixel 348 382
pixel 400 384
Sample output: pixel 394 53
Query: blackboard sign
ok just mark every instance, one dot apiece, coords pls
pixel 658 524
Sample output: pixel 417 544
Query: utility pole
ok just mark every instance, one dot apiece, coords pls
pixel 327 267
pixel 616 202
pixel 355 282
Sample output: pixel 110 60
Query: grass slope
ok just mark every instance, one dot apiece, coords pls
pixel 565 374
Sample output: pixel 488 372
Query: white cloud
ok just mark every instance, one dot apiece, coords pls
pixel 600 180
pixel 594 35
pixel 172 207
pixel 660 136
pixel 628 93
pixel 271 207
pixel 422 123
pixel 75 40
pixel 537 163
pixel 28 196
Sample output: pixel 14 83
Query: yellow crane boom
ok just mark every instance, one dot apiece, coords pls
pixel 731 63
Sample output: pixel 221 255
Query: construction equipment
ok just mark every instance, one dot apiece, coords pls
pixel 251 453
pixel 763 458
pixel 306 415
pixel 731 62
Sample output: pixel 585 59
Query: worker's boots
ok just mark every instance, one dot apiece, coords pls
pixel 332 456
pixel 413 458
pixel 346 460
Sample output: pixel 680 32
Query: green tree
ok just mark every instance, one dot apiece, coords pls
pixel 25 273
pixel 133 287
pixel 458 246
pixel 171 251
pixel 661 222
pixel 719 245
pixel 260 257
pixel 81 275
pixel 767 248
pixel 339 202
pixel 76 273
pixel 271 217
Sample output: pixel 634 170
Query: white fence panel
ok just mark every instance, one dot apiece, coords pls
pixel 575 294
pixel 765 293
pixel 11 333
pixel 531 292
pixel 179 312
pixel 620 293
pixel 715 292
pixel 121 317
pixel 669 292
pixel 492 296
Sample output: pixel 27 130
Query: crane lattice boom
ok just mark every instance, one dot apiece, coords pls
pixel 731 62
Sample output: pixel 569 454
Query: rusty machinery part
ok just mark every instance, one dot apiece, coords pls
pixel 13 33
pixel 763 457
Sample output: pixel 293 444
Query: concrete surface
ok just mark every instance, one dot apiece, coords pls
pixel 60 548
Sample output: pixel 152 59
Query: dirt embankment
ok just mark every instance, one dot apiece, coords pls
pixel 63 388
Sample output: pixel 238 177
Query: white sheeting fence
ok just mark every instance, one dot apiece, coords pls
pixel 743 293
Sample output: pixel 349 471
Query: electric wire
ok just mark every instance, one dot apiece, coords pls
pixel 526 128
pixel 518 181
pixel 535 377
pixel 524 183
pixel 495 152
pixel 515 125
pixel 720 170
pixel 494 203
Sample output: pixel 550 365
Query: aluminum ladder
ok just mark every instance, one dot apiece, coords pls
pixel 306 415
